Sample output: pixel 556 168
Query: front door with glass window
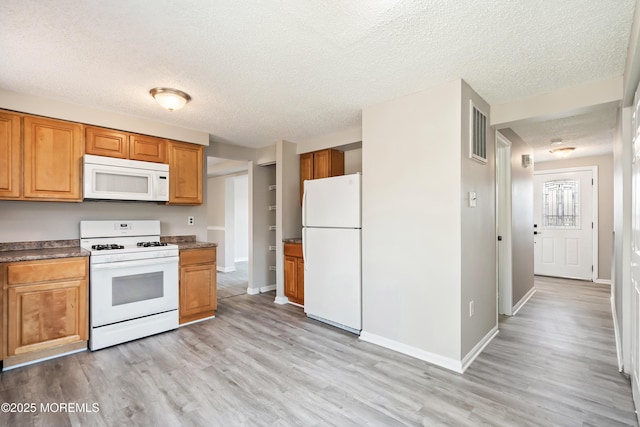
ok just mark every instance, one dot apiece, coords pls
pixel 563 224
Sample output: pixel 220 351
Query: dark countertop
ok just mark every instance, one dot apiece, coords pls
pixel 187 242
pixel 294 240
pixel 37 250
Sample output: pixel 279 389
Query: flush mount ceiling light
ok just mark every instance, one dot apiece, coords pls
pixel 171 99
pixel 559 149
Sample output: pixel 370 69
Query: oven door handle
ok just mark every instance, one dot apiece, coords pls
pixel 135 263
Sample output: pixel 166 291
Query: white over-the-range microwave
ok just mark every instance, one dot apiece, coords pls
pixel 110 178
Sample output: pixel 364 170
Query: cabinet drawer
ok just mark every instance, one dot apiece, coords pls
pixel 293 249
pixel 46 270
pixel 197 256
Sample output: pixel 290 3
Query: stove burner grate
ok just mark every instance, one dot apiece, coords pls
pixel 106 247
pixel 150 244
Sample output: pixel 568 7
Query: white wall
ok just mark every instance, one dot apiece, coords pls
pixel 260 258
pixel 26 221
pixel 353 161
pixel 241 220
pixel 411 214
pixel 478 261
pixel 521 218
pixel 288 214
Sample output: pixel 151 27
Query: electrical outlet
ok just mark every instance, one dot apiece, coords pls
pixel 190 220
pixel 471 309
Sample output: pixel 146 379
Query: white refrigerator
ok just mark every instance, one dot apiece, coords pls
pixel 331 248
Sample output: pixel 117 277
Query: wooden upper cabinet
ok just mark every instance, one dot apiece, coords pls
pixel 106 142
pixel 320 164
pixel 148 149
pixel 185 173
pixel 52 159
pixel 10 155
pixel 124 145
pixel 328 163
pixel 306 171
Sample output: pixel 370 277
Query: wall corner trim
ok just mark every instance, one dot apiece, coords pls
pixel 435 359
pixel 523 301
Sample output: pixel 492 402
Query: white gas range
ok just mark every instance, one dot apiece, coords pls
pixel 133 290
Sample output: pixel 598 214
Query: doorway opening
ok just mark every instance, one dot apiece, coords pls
pixel 228 223
pixel 566 223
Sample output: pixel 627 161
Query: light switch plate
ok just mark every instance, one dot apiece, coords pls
pixel 473 199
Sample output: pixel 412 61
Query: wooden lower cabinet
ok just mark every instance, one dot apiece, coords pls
pixel 294 273
pixel 197 284
pixel 46 304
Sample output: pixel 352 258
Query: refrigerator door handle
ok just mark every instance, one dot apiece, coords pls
pixel 304 243
pixel 304 204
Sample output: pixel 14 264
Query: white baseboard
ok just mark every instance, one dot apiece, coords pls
pixel 223 269
pixel 281 300
pixel 436 359
pixel 523 301
pixel 296 304
pixel 253 291
pixel 475 351
pixel 616 330
pixel 603 281
pixel 267 288
pixel 243 259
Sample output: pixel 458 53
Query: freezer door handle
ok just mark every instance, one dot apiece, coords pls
pixel 304 205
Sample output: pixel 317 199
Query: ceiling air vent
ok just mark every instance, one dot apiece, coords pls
pixel 477 134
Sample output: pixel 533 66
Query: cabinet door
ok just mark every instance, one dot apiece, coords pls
pixel 328 163
pixel 10 171
pixel 300 277
pixel 46 315
pixel 106 142
pixel 321 164
pixel 52 159
pixel 306 171
pixel 290 277
pixel 148 149
pixel 185 173
pixel 197 292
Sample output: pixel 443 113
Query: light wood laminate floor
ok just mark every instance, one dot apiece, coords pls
pixel 262 364
pixel 233 283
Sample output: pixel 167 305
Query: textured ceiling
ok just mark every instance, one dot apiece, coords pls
pixel 592 134
pixel 262 71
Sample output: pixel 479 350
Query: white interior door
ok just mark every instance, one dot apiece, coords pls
pixel 563 223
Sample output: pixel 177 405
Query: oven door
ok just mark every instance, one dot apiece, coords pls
pixel 126 290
